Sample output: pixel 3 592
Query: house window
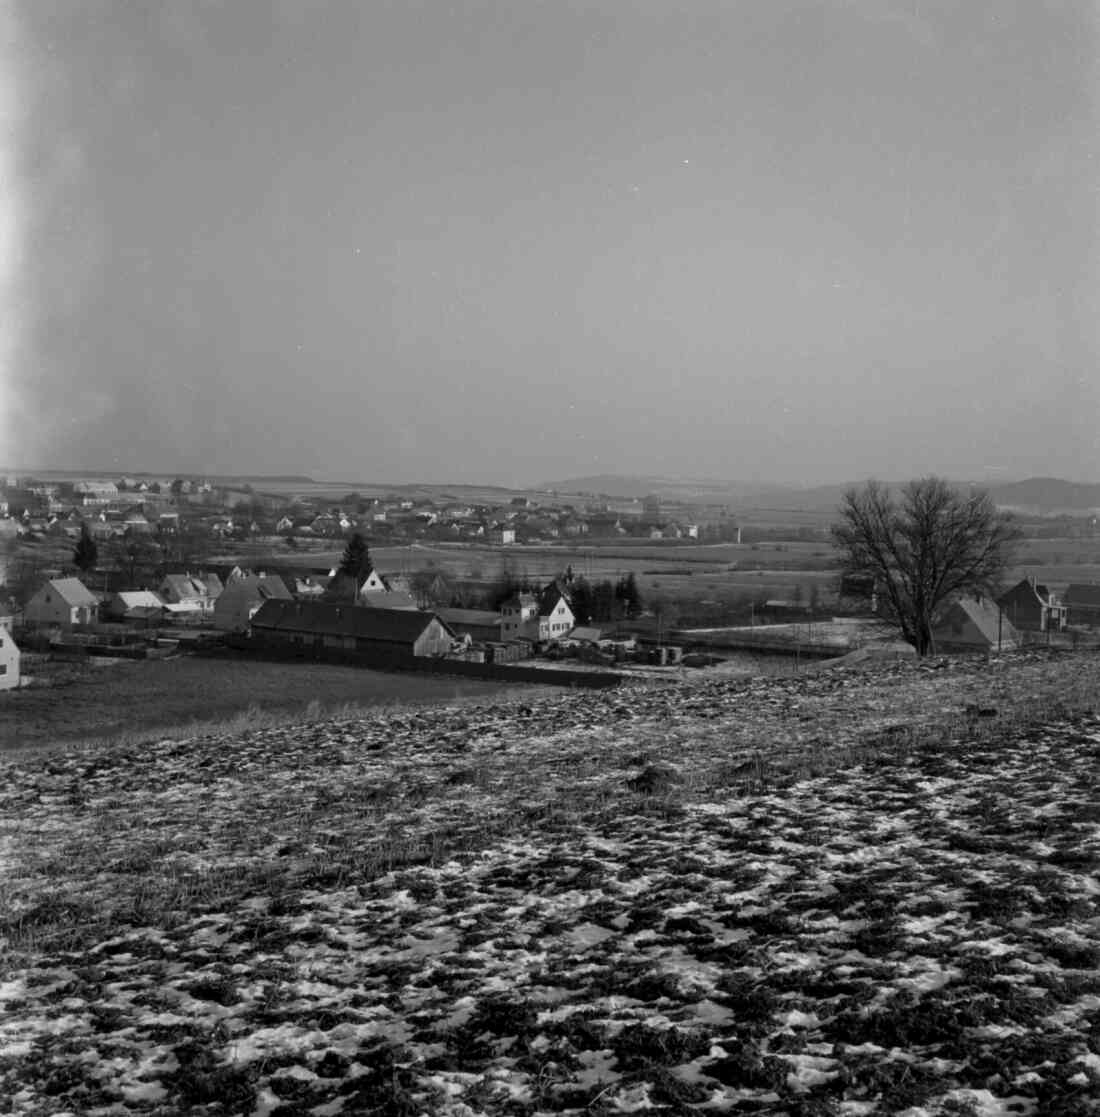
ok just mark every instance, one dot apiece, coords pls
pixel 3 668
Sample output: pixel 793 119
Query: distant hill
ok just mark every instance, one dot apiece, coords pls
pixel 1048 494
pixel 698 490
pixel 1040 494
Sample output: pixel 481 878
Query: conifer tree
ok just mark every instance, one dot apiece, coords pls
pixel 356 560
pixel 86 553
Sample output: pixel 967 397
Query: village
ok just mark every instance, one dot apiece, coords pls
pixel 131 568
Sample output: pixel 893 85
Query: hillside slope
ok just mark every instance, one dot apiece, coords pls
pixel 853 892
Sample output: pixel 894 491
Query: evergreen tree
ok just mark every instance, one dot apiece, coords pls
pixel 580 599
pixel 356 559
pixel 603 601
pixel 630 597
pixel 86 553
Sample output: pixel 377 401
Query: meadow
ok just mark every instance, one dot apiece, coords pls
pixel 92 700
pixel 858 892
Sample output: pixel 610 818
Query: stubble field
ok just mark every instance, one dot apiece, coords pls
pixel 855 892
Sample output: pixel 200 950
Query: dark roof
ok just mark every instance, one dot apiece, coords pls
pixel 483 617
pixel 550 596
pixel 270 586
pixel 325 618
pixel 1027 586
pixel 1083 593
pixel 387 599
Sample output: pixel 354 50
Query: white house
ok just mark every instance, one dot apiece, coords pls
pixel 542 618
pixel 62 603
pixel 9 660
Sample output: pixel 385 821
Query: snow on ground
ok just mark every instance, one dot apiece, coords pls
pixel 858 892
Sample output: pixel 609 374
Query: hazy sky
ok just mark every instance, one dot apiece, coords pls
pixel 509 240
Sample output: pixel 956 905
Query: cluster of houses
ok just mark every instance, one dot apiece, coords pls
pixel 299 609
pixel 1022 614
pixel 127 507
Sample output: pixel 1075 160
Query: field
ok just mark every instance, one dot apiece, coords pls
pixel 699 579
pixel 689 575
pixel 858 892
pixel 101 700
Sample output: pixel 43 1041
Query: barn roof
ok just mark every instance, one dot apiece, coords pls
pixel 326 618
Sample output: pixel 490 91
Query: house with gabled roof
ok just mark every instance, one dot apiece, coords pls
pixel 195 593
pixel 974 624
pixel 539 617
pixel 62 603
pixel 242 598
pixel 1032 607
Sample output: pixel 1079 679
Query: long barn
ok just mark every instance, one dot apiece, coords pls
pixel 317 625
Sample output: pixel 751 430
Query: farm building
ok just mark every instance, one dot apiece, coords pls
pixel 9 660
pixel 1031 607
pixel 974 624
pixel 62 603
pixel 478 624
pixel 318 625
pixel 241 598
pixel 1082 602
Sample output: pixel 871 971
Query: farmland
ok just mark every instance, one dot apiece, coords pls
pixel 101 700
pixel 858 892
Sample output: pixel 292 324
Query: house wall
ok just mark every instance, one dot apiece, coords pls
pixel 558 624
pixel 434 640
pixel 519 621
pixel 1024 610
pixel 9 661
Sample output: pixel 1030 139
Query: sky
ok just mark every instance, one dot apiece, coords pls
pixel 515 241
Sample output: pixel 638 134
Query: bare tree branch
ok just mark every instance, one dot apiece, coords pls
pixel 924 550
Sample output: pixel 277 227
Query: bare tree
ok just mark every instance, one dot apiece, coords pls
pixel 931 545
